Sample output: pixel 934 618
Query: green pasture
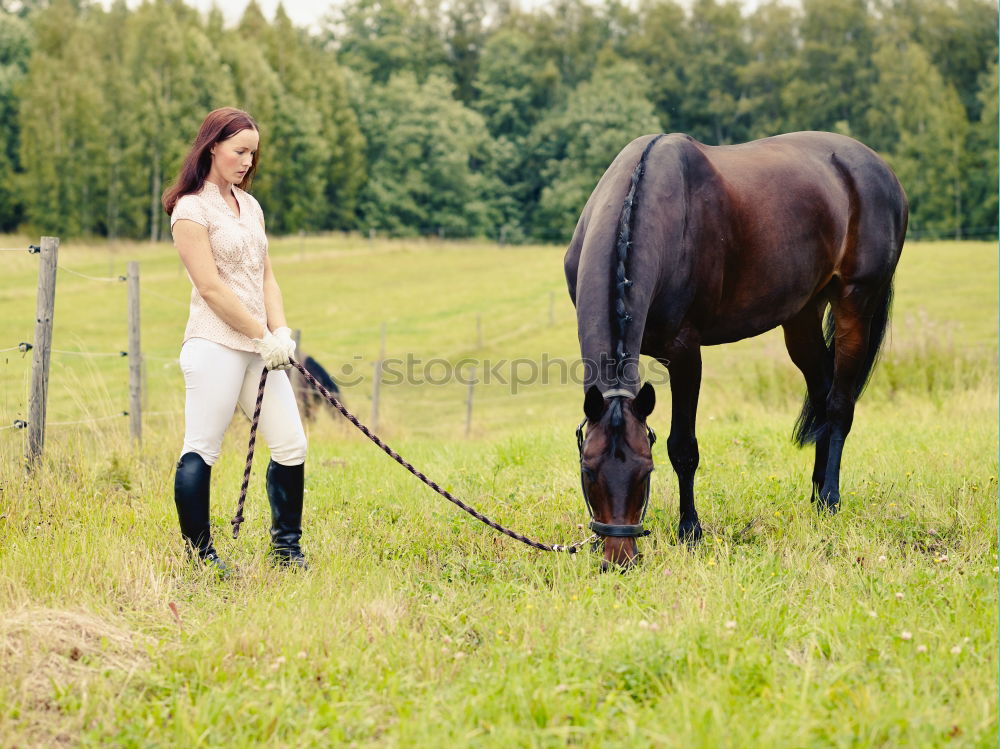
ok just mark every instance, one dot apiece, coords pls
pixel 417 626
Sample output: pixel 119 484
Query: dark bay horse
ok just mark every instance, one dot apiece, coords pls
pixel 309 399
pixel 683 245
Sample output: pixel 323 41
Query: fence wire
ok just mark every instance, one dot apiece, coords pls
pixel 108 279
pixel 165 298
pixel 85 421
pixel 119 354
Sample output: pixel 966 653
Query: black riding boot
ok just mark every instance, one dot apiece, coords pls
pixel 191 492
pixel 285 486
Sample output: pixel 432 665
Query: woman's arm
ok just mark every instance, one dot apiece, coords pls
pixel 273 304
pixel 191 240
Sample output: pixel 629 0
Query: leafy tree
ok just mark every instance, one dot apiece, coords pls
pixel 715 50
pixel 60 123
pixel 982 176
pixel 836 71
pixel 773 65
pixel 15 50
pixel 658 47
pixel 576 144
pixel 513 89
pixel 465 34
pixel 258 91
pixel 479 117
pixel 382 37
pixel 960 37
pixel 424 150
pixel 572 34
pixel 179 79
pixel 313 145
pixel 924 128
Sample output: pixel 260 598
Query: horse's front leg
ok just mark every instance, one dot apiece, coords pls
pixel 682 444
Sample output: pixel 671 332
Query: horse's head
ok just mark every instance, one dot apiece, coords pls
pixel 616 460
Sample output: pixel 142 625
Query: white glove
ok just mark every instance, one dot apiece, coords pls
pixel 285 336
pixel 272 350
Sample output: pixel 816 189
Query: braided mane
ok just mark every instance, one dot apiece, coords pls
pixel 626 223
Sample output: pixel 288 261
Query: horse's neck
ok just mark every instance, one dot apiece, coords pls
pixel 597 321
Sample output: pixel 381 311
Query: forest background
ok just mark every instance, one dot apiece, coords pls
pixel 477 117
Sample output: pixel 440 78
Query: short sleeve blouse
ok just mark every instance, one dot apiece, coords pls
pixel 239 246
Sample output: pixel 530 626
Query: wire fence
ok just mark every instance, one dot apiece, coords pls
pixel 48 271
pixel 510 328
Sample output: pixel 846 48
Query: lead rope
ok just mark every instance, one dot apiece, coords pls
pixel 238 519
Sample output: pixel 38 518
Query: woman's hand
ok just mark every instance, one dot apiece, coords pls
pixel 284 335
pixel 274 351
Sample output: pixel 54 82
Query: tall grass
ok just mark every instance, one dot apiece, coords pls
pixel 419 627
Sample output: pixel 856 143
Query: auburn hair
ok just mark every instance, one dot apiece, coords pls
pixel 220 124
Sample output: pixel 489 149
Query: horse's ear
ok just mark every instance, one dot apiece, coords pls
pixel 644 402
pixel 593 404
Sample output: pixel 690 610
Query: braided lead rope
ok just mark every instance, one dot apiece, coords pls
pixel 570 549
pixel 238 518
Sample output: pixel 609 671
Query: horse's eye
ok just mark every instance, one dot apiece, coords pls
pixel 588 474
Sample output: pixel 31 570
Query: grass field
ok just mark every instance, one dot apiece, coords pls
pixel 417 626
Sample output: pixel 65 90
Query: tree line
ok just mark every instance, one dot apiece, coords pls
pixel 475 117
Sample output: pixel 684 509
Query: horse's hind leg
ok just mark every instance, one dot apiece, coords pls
pixel 860 313
pixel 682 444
pixel 810 352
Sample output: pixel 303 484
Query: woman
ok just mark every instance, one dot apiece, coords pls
pixel 236 328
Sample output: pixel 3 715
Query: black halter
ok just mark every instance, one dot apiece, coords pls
pixel 605 529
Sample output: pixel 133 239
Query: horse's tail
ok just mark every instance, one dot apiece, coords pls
pixel 876 336
pixel 811 425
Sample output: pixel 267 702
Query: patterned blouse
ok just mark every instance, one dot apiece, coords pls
pixel 239 246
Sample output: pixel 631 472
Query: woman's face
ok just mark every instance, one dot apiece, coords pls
pixel 232 158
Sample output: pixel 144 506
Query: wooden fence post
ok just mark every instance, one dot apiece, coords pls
pixel 44 308
pixel 134 354
pixel 468 404
pixel 377 381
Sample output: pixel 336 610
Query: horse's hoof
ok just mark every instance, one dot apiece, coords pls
pixel 828 505
pixel 689 533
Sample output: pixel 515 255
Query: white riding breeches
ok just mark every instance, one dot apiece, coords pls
pixel 217 379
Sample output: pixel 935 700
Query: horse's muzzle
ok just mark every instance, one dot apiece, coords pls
pixel 621 552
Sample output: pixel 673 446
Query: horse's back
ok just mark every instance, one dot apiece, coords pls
pixel 794 212
pixel 745 235
pixel 838 185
